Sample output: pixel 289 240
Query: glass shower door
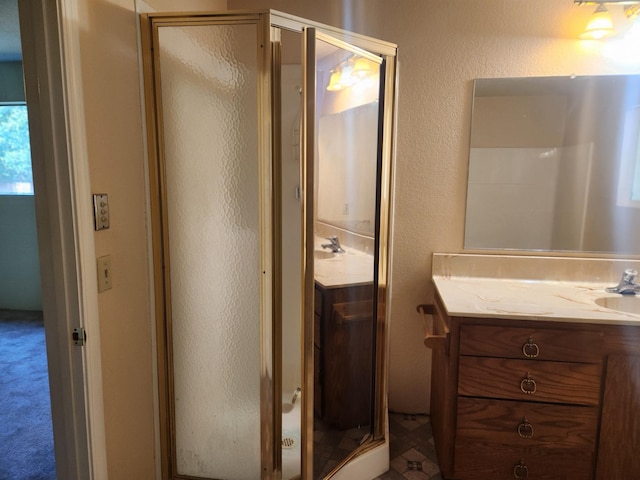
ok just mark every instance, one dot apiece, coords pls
pixel 343 155
pixel 213 243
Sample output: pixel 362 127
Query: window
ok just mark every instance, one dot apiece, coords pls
pixel 629 182
pixel 635 187
pixel 15 152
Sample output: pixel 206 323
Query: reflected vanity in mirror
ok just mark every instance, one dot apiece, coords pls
pixel 554 165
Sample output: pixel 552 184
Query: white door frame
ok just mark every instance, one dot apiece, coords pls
pixel 51 61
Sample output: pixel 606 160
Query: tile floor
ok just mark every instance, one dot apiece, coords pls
pixel 332 446
pixel 413 455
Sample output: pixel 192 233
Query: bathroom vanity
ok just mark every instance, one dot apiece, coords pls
pixel 343 345
pixel 531 377
pixel 343 336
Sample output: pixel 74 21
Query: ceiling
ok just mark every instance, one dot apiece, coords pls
pixel 9 31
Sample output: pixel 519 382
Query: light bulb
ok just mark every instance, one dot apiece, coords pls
pixel 600 25
pixel 334 82
pixel 362 67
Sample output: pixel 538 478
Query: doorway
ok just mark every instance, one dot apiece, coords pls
pixel 25 407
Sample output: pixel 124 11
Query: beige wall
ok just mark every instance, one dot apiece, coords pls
pixel 115 150
pixel 444 44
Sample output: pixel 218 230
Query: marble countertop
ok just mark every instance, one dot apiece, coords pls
pixel 342 269
pixel 515 296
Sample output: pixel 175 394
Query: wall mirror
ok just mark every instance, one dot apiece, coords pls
pixel 349 205
pixel 348 181
pixel 554 165
pixel 343 204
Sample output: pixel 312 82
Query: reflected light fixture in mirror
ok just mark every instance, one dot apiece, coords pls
pixel 600 25
pixel 334 82
pixel 362 68
pixel 349 73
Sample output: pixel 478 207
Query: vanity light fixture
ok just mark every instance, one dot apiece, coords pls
pixel 601 23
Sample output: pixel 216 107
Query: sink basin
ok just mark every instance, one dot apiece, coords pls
pixel 323 254
pixel 623 303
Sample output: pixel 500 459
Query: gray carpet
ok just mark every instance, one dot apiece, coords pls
pixel 26 438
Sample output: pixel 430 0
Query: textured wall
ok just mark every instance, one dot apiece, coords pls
pixel 115 148
pixel 443 46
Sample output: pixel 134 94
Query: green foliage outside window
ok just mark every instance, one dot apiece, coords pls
pixel 15 153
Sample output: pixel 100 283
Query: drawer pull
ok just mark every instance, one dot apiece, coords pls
pixel 525 429
pixel 528 385
pixel 530 349
pixel 521 470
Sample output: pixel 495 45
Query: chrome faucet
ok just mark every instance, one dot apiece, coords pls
pixel 334 245
pixel 296 394
pixel 627 285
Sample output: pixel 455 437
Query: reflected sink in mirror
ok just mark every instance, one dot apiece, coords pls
pixel 323 254
pixel 623 303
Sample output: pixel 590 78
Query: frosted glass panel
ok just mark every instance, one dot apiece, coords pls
pixel 209 100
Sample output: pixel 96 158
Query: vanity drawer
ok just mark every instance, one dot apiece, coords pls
pixel 527 424
pixel 555 382
pixel 532 343
pixel 487 461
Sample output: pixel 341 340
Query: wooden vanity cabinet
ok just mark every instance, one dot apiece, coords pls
pixel 619 445
pixel 343 353
pixel 514 399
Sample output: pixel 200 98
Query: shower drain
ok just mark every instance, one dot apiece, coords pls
pixel 288 442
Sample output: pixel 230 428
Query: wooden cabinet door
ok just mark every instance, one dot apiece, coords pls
pixel 620 422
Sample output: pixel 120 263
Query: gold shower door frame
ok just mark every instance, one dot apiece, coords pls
pixel 269 23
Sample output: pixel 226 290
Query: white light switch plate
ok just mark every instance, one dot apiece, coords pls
pixel 104 273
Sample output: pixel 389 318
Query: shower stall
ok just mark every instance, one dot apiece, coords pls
pixel 268 134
